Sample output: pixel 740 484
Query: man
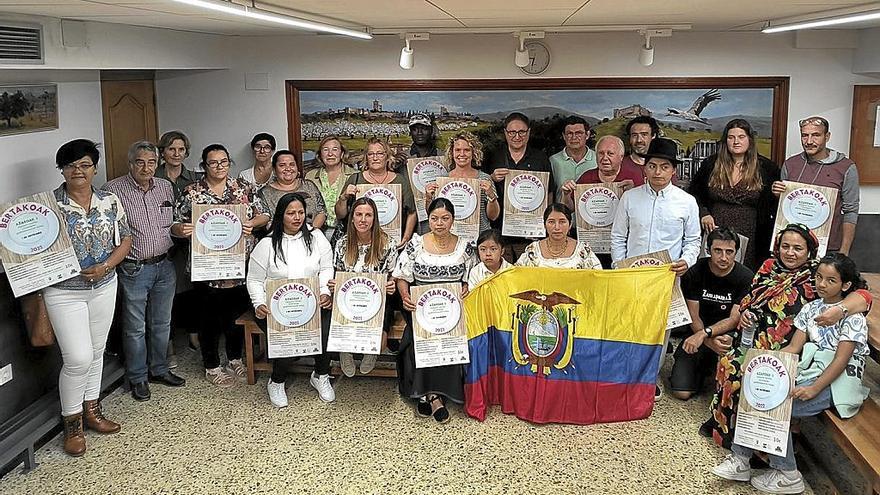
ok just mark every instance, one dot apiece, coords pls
pixel 611 168
pixel 147 276
pixel 576 158
pixel 658 216
pixel 640 131
pixel 421 130
pixel 517 155
pixel 712 289
pixel 823 166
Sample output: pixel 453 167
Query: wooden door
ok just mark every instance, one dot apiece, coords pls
pixel 129 109
pixel 864 143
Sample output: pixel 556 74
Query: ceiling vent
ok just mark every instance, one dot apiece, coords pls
pixel 21 44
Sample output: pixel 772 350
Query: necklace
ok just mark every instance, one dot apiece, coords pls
pixel 374 176
pixel 557 253
pixel 440 244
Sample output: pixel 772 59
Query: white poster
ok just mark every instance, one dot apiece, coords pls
pixel 219 250
pixel 439 334
pixel 358 313
pixel 764 415
pixel 294 326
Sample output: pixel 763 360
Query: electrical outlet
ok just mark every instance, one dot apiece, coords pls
pixel 6 374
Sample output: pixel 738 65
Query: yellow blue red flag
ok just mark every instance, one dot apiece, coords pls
pixel 567 346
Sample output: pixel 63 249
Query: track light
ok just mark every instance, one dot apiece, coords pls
pixel 406 53
pixel 828 21
pixel 521 59
pixel 252 12
pixel 646 53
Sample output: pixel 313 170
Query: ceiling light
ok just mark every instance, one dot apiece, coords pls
pixel 646 53
pixel 252 12
pixel 829 21
pixel 406 54
pixel 521 57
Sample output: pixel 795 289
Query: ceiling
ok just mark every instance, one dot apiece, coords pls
pixel 401 15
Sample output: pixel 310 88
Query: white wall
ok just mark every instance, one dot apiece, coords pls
pixel 215 107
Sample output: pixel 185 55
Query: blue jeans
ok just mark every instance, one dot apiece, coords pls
pixel 148 294
pixel 799 409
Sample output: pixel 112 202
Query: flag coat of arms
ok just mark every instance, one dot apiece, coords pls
pixel 566 346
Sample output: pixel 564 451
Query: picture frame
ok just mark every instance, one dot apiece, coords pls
pixel 26 108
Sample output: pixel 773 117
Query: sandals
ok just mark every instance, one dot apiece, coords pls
pixel 441 415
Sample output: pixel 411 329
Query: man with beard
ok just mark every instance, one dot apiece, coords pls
pixel 640 131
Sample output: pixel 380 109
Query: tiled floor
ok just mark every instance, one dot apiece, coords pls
pixel 199 439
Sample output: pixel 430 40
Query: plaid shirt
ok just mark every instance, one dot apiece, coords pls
pixel 149 212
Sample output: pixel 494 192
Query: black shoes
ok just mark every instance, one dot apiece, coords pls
pixel 140 391
pixel 169 379
pixel 707 427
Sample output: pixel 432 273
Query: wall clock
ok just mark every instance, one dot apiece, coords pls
pixel 539 58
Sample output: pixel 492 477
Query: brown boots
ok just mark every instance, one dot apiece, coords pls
pixel 74 439
pixel 95 420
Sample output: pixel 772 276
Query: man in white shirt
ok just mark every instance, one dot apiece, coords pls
pixel 658 216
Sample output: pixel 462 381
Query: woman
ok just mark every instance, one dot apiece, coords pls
pixel 465 152
pixel 558 250
pixel 378 171
pixel 437 257
pixel 293 250
pixel 173 149
pixel 782 286
pixel 222 301
pixel 366 249
pixel 733 189
pixel 260 174
pixel 330 177
pixel 288 174
pixel 81 308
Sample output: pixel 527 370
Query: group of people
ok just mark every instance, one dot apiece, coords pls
pixel 312 224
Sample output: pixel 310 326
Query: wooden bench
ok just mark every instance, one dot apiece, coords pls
pixel 859 436
pixel 256 357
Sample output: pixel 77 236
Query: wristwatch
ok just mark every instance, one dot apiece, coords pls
pixel 708 331
pixel 843 308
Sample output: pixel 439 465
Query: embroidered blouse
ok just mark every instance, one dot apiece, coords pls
pixel 582 257
pixel 387 259
pixel 418 266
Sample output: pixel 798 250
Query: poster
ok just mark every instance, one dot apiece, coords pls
pixel 740 253
pixel 678 311
pixel 219 250
pixel 464 194
pixel 388 204
pixel 34 245
pixel 439 335
pixel 423 172
pixel 525 199
pixel 810 205
pixel 595 205
pixel 358 313
pixel 764 415
pixel 294 323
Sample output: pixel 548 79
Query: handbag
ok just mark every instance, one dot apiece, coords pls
pixel 36 320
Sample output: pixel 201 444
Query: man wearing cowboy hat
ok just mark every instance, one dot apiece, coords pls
pixel 658 216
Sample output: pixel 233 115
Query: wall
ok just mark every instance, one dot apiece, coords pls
pixel 215 107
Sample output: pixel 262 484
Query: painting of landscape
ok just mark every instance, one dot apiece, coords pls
pixel 28 108
pixel 693 117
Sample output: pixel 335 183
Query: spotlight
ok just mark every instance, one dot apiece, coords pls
pixel 406 53
pixel 646 52
pixel 522 55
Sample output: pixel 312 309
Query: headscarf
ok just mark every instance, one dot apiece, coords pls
pixel 778 293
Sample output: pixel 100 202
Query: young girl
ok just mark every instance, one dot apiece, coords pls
pixel 829 374
pixel 490 247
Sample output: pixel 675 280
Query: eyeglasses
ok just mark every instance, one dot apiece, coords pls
pixel 375 154
pixel 814 121
pixel 264 149
pixel 77 166
pixel 575 134
pixel 520 133
pixel 224 163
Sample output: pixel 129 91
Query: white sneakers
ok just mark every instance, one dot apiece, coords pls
pixel 277 394
pixel 321 383
pixel 735 468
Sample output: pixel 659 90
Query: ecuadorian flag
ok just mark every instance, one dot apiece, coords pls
pixel 567 346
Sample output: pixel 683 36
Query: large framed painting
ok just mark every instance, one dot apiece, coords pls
pixel 28 108
pixel 690 111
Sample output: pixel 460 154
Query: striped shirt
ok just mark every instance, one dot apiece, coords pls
pixel 150 214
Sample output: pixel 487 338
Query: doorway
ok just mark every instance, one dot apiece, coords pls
pixel 128 104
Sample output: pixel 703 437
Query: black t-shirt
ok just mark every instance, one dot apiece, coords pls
pixel 534 160
pixel 715 294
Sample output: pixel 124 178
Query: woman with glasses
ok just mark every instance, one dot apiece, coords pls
pixel 260 174
pixel 221 301
pixel 330 176
pixel 378 171
pixel 81 308
pixel 288 173
pixel 734 189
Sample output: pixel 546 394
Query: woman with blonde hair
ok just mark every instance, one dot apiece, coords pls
pixel 464 154
pixel 330 176
pixel 733 189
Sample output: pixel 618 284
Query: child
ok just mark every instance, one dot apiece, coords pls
pixel 829 373
pixel 490 248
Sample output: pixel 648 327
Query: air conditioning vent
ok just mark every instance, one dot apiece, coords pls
pixel 20 44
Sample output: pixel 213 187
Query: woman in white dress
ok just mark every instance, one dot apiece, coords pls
pixel 558 250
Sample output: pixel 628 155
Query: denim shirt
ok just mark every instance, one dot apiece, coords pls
pixel 94 233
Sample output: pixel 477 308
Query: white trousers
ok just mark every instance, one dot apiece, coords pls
pixel 81 319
